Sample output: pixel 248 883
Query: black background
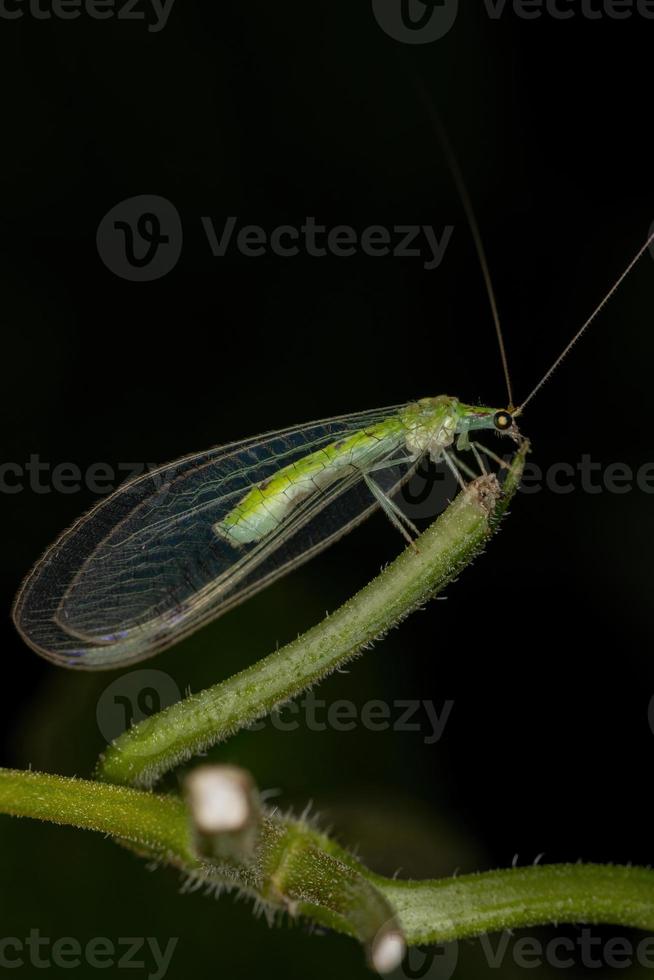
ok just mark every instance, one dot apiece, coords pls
pixel 271 113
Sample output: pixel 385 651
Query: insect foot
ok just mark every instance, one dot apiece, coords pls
pixel 486 490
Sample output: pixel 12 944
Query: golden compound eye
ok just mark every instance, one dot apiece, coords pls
pixel 503 420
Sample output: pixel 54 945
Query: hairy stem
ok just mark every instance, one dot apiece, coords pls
pixel 452 908
pixel 145 752
pixel 154 822
pixel 291 867
pixel 298 869
pixel 283 863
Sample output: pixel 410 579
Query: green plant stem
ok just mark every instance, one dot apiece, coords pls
pixel 304 872
pixel 292 866
pixel 145 752
pixel 290 869
pixel 155 822
pixel 452 908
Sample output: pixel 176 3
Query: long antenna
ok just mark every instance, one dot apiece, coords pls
pixel 584 327
pixel 474 228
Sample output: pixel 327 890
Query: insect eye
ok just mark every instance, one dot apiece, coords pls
pixel 503 420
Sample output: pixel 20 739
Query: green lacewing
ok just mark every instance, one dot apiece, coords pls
pixel 179 546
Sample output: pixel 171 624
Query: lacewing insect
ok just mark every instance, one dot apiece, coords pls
pixel 176 548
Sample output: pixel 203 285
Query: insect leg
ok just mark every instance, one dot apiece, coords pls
pixel 491 455
pixel 480 462
pixel 456 468
pixel 391 510
pixel 385 464
pixel 463 467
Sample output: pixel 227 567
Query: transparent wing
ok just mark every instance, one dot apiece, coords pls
pixel 145 567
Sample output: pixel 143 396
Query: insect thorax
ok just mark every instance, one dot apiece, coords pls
pixel 431 425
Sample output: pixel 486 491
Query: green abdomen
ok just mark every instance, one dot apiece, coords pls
pixel 268 504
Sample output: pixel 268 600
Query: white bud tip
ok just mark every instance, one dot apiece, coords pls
pixel 388 951
pixel 219 799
